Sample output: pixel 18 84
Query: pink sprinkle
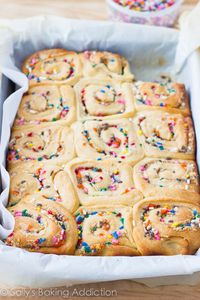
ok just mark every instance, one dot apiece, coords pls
pixel 148 102
pixel 157 237
pixel 33 61
pixel 121 101
pixel 113 187
pixel 115 242
pixel 58 199
pixel 85 190
pixel 142 168
pixel 63 235
pixel 55 240
pixel 20 121
pixel 18 214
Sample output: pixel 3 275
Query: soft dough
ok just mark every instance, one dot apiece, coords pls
pixel 109 139
pixel 42 142
pixel 53 66
pixel 165 226
pixel 105 231
pixel 171 97
pixel 100 64
pixel 173 178
pixel 103 182
pixel 47 103
pixel 43 226
pixel 103 99
pixel 166 135
pixel 36 179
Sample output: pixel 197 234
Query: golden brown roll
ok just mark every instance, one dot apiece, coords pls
pixel 103 182
pixel 110 139
pixel 43 226
pixel 105 231
pixel 43 142
pixel 166 226
pixel 100 64
pixel 103 99
pixel 171 97
pixel 53 66
pixel 166 135
pixel 36 179
pixel 169 177
pixel 47 103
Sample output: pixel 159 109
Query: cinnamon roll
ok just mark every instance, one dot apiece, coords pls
pixel 103 182
pixel 43 142
pixel 172 178
pixel 100 64
pixel 166 135
pixel 171 97
pixel 110 139
pixel 103 99
pixel 36 179
pixel 53 66
pixel 43 226
pixel 47 103
pixel 105 231
pixel 166 226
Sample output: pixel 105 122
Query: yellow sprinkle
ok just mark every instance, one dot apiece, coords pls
pixel 109 236
pixel 140 132
pixel 38 208
pixel 116 171
pixel 175 224
pixel 124 151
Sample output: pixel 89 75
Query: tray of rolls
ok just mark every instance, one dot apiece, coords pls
pixel 99 160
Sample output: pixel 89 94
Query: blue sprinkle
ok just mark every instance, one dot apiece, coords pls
pixel 195 212
pixel 94 213
pixel 41 240
pixel 115 235
pixel 79 219
pixel 102 91
pixel 84 244
pixel 121 227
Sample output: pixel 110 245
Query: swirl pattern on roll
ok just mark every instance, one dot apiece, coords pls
pixel 166 135
pixel 43 142
pixel 40 179
pixel 103 182
pixel 169 177
pixel 43 226
pixel 166 226
pixel 53 66
pixel 46 103
pixel 171 97
pixel 101 64
pixel 110 139
pixel 102 99
pixel 105 231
